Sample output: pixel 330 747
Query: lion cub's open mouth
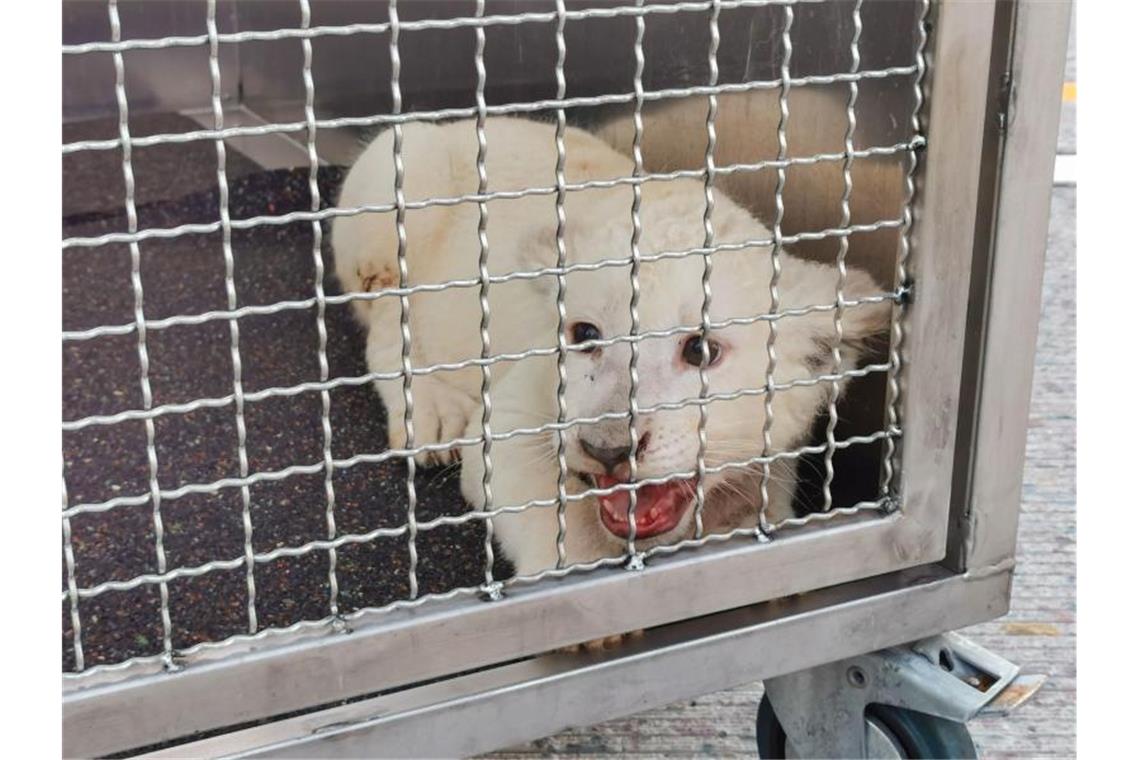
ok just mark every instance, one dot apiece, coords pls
pixel 658 510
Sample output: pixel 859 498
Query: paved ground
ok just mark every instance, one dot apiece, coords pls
pixel 1040 631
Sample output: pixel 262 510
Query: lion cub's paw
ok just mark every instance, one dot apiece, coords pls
pixel 604 644
pixel 439 414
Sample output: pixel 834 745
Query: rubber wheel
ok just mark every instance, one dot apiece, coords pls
pixel 907 733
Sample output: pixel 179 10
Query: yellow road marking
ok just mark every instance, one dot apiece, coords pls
pixel 1031 629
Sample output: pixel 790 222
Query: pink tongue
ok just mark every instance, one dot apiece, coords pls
pixel 617 503
pixel 659 507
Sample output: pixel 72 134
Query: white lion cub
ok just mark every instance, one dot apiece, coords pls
pixel 442 246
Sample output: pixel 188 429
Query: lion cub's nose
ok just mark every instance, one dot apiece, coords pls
pixel 608 456
pixel 613 457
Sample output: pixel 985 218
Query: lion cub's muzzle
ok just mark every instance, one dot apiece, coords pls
pixel 657 508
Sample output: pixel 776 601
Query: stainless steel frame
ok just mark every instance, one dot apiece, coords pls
pixel 993 456
pixel 937 564
pixel 463 716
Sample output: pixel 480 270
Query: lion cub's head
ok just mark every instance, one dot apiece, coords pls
pixel 669 359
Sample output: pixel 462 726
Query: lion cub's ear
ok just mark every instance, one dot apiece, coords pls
pixel 539 243
pixel 866 328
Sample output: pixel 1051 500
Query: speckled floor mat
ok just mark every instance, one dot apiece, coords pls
pixel 186 275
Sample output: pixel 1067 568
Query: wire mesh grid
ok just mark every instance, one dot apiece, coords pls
pixel 164 488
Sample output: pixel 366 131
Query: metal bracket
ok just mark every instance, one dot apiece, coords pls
pixel 822 709
pixel 1005 102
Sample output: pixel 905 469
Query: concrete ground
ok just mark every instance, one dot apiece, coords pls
pixel 1039 633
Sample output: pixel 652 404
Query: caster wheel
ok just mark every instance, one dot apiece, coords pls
pixel 892 732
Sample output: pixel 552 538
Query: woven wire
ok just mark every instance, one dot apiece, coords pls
pixel 262 310
pixel 902 276
pixel 452 520
pixel 329 213
pixel 396 453
pixel 154 493
pixel 841 259
pixel 635 282
pixel 706 270
pixel 489 586
pixel 405 304
pixel 231 301
pixel 396 118
pixel 778 243
pixel 319 297
pixel 450 23
pixel 72 589
pixel 560 278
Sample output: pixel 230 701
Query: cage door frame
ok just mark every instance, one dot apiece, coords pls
pixel 304 670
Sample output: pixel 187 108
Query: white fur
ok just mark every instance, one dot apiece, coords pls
pixel 442 245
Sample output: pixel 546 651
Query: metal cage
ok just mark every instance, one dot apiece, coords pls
pixel 950 106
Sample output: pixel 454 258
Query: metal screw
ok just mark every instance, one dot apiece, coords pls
pixel 856 677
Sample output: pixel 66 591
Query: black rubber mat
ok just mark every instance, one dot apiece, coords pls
pixel 93 179
pixel 185 275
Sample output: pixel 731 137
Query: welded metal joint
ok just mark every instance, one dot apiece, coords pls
pixel 492 592
pixel 172 662
pixel 1005 102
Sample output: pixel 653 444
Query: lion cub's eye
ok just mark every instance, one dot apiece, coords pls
pixel 691 351
pixel 580 332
